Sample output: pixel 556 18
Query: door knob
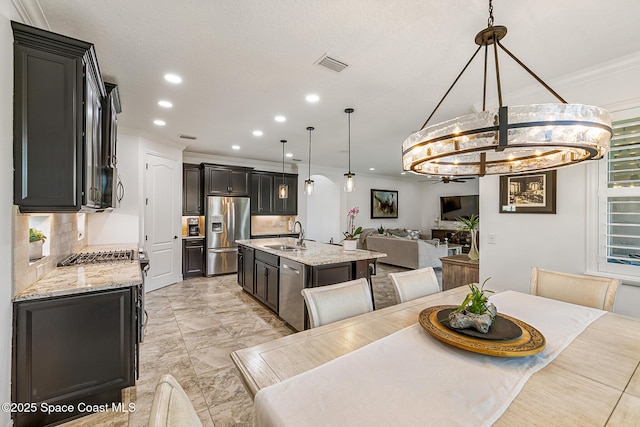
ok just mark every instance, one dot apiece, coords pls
pixel 175 237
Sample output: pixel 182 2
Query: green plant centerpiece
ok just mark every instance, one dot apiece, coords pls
pixel 471 225
pixel 381 229
pixel 475 311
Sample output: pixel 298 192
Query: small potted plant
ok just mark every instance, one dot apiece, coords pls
pixel 381 229
pixel 36 240
pixel 471 225
pixel 350 242
pixel 475 311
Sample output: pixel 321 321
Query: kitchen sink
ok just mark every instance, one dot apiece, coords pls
pixel 285 247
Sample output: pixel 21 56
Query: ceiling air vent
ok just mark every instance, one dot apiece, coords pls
pixel 332 63
pixel 183 136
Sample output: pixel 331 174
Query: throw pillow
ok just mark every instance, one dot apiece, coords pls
pixel 413 234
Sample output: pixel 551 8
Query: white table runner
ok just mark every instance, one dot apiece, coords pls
pixel 411 379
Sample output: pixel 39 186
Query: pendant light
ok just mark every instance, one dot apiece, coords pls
pixel 506 140
pixel 283 189
pixel 349 178
pixel 308 183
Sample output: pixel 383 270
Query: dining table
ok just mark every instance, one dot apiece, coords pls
pixel 384 368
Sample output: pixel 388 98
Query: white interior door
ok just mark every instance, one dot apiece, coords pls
pixel 162 221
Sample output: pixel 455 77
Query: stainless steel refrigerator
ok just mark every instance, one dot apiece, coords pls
pixel 227 219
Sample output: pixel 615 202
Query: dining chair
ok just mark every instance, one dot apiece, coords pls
pixel 330 303
pixel 171 406
pixel 589 291
pixel 412 284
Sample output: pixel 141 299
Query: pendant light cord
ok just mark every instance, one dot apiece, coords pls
pixel 310 129
pixel 349 111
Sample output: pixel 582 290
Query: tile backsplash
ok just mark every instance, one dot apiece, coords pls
pixel 271 224
pixel 62 240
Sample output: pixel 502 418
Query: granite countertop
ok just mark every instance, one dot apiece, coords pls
pixel 314 254
pixel 193 237
pixel 78 279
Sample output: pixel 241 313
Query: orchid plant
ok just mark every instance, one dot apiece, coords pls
pixel 352 232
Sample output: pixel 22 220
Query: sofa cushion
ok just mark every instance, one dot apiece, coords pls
pixel 408 253
pixel 413 234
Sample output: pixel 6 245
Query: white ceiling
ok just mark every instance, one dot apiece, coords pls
pixel 245 61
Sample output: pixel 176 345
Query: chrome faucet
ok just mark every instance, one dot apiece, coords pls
pixel 300 241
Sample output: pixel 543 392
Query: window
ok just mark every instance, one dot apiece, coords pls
pixel 619 202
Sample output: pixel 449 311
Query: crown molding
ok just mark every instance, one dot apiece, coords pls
pixel 31 13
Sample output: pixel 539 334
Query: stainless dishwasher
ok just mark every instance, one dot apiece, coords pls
pixel 291 303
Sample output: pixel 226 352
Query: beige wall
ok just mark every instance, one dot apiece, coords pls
pixel 62 239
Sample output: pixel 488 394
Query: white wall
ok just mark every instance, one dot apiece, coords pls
pixel 320 212
pixel 122 224
pixel 7 13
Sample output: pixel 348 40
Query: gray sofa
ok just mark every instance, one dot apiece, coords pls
pixel 408 253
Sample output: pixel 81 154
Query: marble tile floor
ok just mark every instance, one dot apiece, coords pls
pixel 193 327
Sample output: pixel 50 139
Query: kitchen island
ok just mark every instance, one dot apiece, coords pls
pixel 275 270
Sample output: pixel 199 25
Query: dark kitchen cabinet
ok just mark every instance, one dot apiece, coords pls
pixel 58 94
pixel 112 189
pixel 246 260
pixel 73 349
pixel 226 180
pixel 192 257
pixel 267 280
pixel 288 206
pixel 262 192
pixel 191 190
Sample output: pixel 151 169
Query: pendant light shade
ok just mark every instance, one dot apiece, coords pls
pixel 283 189
pixel 505 140
pixel 308 183
pixel 349 178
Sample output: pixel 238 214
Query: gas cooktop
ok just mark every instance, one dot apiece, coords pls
pixel 97 257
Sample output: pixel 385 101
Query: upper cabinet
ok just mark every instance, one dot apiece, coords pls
pixel 264 194
pixel 58 116
pixel 112 189
pixel 288 206
pixel 226 180
pixel 191 190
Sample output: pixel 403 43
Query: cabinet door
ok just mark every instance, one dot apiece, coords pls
pixel 248 264
pixel 291 203
pixel 216 181
pixel 93 143
pixel 239 182
pixel 47 149
pixel 193 258
pixel 70 350
pixel 261 274
pixel 278 203
pixel 272 282
pixel 261 194
pixel 191 190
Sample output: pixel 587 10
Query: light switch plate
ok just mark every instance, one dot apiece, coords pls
pixel 491 238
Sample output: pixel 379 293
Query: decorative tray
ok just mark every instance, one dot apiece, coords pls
pixel 526 343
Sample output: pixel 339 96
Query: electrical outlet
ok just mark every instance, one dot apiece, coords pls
pixel 491 238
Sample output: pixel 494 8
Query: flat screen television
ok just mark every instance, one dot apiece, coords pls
pixel 453 207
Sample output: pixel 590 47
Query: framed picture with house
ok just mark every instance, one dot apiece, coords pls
pixel 384 204
pixel 530 193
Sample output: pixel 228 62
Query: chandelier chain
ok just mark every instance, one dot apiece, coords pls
pixel 490 20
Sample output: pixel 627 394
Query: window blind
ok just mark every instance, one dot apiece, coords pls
pixel 622 227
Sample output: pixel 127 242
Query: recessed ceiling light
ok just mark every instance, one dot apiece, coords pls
pixel 280 119
pixel 159 122
pixel 257 133
pixel 173 78
pixel 289 155
pixel 312 97
pixel 372 169
pixel 165 104
pixel 235 147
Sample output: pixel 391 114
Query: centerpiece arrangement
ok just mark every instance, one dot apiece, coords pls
pixel 36 241
pixel 475 311
pixel 350 242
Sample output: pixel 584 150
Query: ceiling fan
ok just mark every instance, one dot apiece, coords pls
pixel 447 179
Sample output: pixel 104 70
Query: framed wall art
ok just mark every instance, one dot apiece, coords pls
pixel 530 193
pixel 384 204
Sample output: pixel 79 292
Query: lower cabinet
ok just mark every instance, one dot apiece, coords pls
pixel 459 270
pixel 193 258
pixel 245 268
pixel 267 280
pixel 77 350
